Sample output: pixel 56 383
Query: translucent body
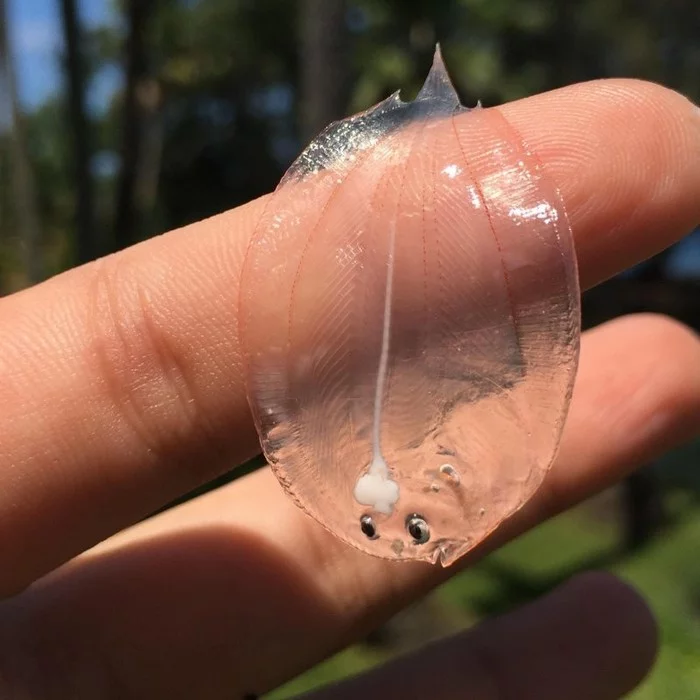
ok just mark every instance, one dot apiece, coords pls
pixel 410 320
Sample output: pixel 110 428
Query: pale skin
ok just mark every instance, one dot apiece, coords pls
pixel 121 388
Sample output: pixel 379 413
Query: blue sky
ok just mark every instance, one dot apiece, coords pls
pixel 36 37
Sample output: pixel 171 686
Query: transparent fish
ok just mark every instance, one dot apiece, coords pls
pixel 410 321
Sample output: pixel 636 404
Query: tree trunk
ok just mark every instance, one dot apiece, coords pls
pixel 148 166
pixel 645 514
pixel 324 64
pixel 140 150
pixel 22 178
pixel 88 246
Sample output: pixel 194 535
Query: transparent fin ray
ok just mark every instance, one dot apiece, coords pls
pixel 409 315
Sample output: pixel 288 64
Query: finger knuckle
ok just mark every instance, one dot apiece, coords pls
pixel 138 363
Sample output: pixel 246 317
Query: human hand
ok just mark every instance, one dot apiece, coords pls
pixel 121 388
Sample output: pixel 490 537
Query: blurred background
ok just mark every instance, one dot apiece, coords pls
pixel 122 119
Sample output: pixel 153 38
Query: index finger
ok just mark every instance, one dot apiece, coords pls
pixel 121 381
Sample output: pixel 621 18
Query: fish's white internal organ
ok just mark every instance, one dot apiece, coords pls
pixel 376 488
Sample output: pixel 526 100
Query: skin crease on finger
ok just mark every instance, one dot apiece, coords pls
pixel 187 589
pixel 124 377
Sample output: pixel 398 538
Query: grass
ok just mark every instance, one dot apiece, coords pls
pixel 666 572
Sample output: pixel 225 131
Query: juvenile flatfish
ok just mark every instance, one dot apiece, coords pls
pixel 410 318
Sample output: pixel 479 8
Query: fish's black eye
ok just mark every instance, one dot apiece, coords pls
pixel 368 527
pixel 417 528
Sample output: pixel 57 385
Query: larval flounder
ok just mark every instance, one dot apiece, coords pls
pixel 410 319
